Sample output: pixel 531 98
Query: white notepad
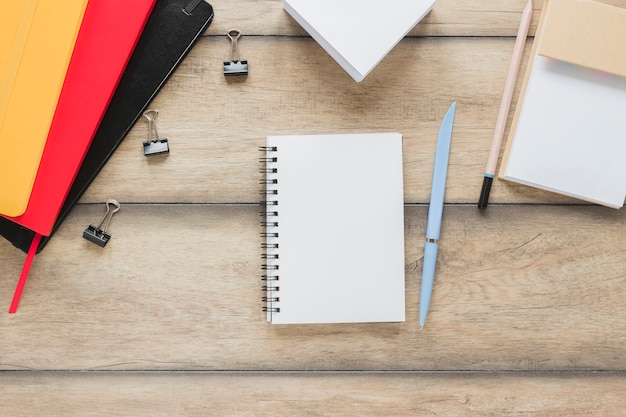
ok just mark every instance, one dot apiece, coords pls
pixel 568 135
pixel 335 229
pixel 358 34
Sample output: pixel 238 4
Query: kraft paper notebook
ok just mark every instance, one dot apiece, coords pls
pixel 107 37
pixel 568 130
pixel 172 29
pixel 36 42
pixel 334 223
pixel 358 34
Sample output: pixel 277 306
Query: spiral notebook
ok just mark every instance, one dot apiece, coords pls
pixel 334 228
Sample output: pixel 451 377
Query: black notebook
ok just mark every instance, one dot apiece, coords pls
pixel 172 29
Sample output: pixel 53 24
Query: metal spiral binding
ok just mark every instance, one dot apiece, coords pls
pixel 269 209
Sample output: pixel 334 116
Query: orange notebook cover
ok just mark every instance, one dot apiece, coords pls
pixel 106 40
pixel 38 39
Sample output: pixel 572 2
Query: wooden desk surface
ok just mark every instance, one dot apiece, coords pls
pixel 527 315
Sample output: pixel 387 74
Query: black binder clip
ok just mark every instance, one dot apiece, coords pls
pixel 158 145
pixel 235 66
pixel 97 234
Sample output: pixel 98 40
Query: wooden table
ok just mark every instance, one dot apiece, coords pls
pixel 528 311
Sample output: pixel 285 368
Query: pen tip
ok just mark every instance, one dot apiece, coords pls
pixel 421 328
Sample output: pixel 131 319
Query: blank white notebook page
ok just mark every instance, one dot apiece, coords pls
pixel 340 207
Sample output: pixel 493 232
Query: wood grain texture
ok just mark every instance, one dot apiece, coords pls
pixel 447 18
pixel 166 320
pixel 215 124
pixel 333 394
pixel 520 288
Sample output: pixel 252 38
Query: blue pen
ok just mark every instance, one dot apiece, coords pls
pixel 435 211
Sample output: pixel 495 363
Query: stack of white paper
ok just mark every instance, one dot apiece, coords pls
pixel 358 34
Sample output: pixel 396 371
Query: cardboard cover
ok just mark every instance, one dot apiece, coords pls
pixel 581 32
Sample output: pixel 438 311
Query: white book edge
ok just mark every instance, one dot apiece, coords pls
pixel 357 75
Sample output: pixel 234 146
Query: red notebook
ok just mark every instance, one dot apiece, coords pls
pixel 107 38
pixel 108 34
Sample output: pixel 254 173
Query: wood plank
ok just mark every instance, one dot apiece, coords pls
pixel 215 125
pixel 202 394
pixel 177 288
pixel 528 299
pixel 448 18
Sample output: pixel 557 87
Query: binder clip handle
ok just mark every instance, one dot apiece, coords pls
pixel 234 35
pixel 235 66
pixel 151 116
pixel 98 234
pixel 154 146
pixel 109 213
